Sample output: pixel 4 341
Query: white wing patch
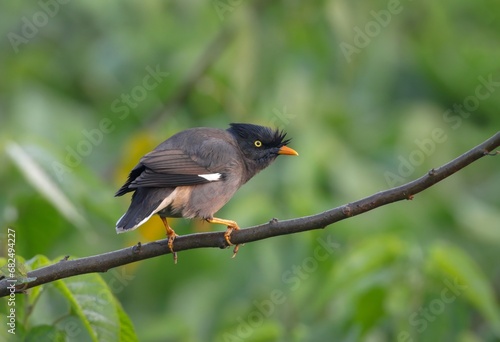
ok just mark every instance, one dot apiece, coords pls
pixel 211 177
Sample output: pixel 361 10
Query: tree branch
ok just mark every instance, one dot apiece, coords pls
pixel 106 261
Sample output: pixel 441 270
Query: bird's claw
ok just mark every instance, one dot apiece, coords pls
pixel 170 245
pixel 171 237
pixel 231 226
pixel 227 237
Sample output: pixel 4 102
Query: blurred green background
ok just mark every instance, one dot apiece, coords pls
pixel 374 94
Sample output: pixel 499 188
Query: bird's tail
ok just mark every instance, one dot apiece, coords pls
pixel 145 203
pixel 132 219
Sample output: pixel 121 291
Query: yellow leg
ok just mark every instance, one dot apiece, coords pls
pixel 231 225
pixel 171 237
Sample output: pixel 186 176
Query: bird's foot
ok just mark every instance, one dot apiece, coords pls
pixel 171 237
pixel 227 236
pixel 231 226
pixel 170 244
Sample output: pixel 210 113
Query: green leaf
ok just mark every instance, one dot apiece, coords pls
pixel 93 303
pixel 363 269
pixel 45 333
pixel 464 275
pixel 368 316
pixel 127 331
pixel 368 256
pixel 43 183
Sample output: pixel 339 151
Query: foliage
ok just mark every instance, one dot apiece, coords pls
pixel 374 94
pixel 80 308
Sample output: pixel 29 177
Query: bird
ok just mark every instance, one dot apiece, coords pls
pixel 195 172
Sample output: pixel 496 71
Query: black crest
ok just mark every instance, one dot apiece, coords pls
pixel 268 136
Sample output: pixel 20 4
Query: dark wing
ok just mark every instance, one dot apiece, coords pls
pixel 172 162
pixel 166 169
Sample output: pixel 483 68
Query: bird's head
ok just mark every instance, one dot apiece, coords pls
pixel 260 145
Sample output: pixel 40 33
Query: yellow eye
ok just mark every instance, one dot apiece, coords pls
pixel 257 143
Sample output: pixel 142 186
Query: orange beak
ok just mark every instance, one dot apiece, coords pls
pixel 287 151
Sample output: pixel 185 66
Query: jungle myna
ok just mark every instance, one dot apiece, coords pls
pixel 195 172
